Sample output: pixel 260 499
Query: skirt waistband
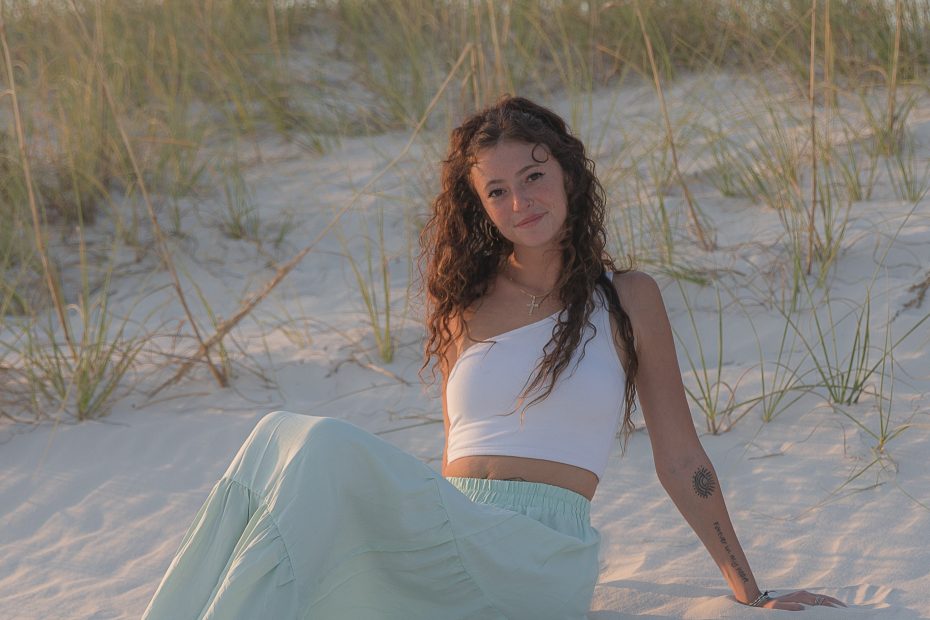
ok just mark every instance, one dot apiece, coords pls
pixel 522 493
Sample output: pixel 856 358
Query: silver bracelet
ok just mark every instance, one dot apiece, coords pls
pixel 762 598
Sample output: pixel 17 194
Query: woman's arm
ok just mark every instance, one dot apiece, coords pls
pixel 681 463
pixel 446 362
pixel 445 427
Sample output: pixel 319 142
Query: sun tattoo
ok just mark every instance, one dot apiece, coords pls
pixel 703 482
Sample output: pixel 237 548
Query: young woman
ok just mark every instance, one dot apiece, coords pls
pixel 542 345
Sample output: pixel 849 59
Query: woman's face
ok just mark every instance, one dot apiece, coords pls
pixel 523 195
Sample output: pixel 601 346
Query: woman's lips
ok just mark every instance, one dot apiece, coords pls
pixel 531 219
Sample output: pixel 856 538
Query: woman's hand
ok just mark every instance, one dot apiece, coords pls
pixel 797 601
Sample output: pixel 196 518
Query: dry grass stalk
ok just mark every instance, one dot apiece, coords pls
pixel 812 81
pixel 893 78
pixel 247 306
pixel 273 31
pixel 50 278
pixel 828 60
pixel 501 81
pixel 692 211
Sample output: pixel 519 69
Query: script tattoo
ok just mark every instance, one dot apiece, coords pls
pixel 723 541
pixel 703 482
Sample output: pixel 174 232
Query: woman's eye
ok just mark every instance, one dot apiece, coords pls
pixel 535 175
pixel 494 193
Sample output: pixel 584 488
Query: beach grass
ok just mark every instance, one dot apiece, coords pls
pixel 373 277
pixel 709 391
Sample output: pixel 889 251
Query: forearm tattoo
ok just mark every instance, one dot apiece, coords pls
pixel 703 482
pixel 723 541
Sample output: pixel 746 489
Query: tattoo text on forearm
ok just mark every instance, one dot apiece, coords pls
pixel 723 540
pixel 703 482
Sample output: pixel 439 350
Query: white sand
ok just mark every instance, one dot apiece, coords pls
pixel 92 513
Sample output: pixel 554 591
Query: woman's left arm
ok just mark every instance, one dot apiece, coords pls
pixel 680 461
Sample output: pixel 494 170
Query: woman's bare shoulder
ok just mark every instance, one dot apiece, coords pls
pixel 641 299
pixel 638 291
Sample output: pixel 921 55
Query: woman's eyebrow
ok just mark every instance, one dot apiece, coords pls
pixel 519 172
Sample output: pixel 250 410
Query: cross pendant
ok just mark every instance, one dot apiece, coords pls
pixel 532 305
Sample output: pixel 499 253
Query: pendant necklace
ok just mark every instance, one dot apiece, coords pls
pixel 533 303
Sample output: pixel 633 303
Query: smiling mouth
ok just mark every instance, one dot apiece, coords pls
pixel 530 220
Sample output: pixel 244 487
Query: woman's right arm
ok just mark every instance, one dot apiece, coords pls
pixel 445 367
pixel 445 428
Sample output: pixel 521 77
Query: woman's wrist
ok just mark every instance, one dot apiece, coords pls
pixel 744 587
pixel 760 600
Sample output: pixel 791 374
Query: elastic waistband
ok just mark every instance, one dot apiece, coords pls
pixel 522 493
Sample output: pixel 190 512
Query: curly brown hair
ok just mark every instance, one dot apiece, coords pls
pixel 463 251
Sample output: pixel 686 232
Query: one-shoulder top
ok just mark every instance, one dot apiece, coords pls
pixel 576 424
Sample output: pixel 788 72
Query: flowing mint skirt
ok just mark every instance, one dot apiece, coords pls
pixel 318 519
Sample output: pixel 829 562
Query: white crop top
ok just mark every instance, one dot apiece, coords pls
pixel 576 424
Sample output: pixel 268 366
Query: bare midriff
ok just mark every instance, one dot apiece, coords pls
pixel 563 475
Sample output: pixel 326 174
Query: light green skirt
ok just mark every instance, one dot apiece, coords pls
pixel 318 519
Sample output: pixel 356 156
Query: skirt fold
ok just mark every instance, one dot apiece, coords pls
pixel 231 557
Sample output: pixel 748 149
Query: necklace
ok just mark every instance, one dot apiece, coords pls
pixel 533 303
